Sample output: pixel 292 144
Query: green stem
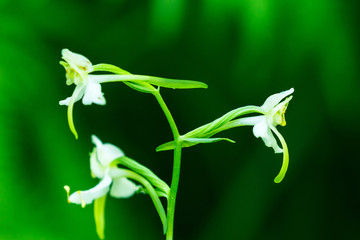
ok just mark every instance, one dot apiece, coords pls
pixel 167 115
pixel 173 190
pixel 176 167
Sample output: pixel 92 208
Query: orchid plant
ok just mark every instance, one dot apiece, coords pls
pixel 123 177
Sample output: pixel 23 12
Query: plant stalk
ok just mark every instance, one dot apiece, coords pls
pixel 173 190
pixel 176 166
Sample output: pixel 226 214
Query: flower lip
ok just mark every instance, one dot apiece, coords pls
pixel 88 196
pixel 278 113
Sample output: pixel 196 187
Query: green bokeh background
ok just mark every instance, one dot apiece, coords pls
pixel 245 50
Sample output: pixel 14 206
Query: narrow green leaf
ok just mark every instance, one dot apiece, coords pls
pixel 157 81
pixel 166 146
pixel 207 140
pixel 189 142
pixel 174 83
pixel 138 86
pixel 141 87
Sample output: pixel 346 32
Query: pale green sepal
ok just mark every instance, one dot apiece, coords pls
pixel 99 215
pixel 144 171
pixel 109 68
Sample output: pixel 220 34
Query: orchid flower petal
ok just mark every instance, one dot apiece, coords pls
pixel 95 140
pixel 97 169
pixel 107 152
pixel 65 101
pixel 77 61
pixel 93 94
pixel 261 129
pixel 274 99
pixel 78 96
pixel 87 197
pixel 123 188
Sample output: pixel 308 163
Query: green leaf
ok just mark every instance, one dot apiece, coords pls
pixel 157 81
pixel 174 83
pixel 138 86
pixel 166 146
pixel 189 142
pixel 207 140
pixel 141 87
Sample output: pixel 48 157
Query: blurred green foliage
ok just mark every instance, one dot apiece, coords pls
pixel 245 50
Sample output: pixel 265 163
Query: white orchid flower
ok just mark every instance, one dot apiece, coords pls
pixel 79 71
pixel 265 125
pixel 87 88
pixel 274 115
pixel 101 167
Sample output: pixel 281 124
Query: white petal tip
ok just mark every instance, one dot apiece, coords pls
pixel 65 51
pixel 278 150
pixel 95 140
pixel 65 102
